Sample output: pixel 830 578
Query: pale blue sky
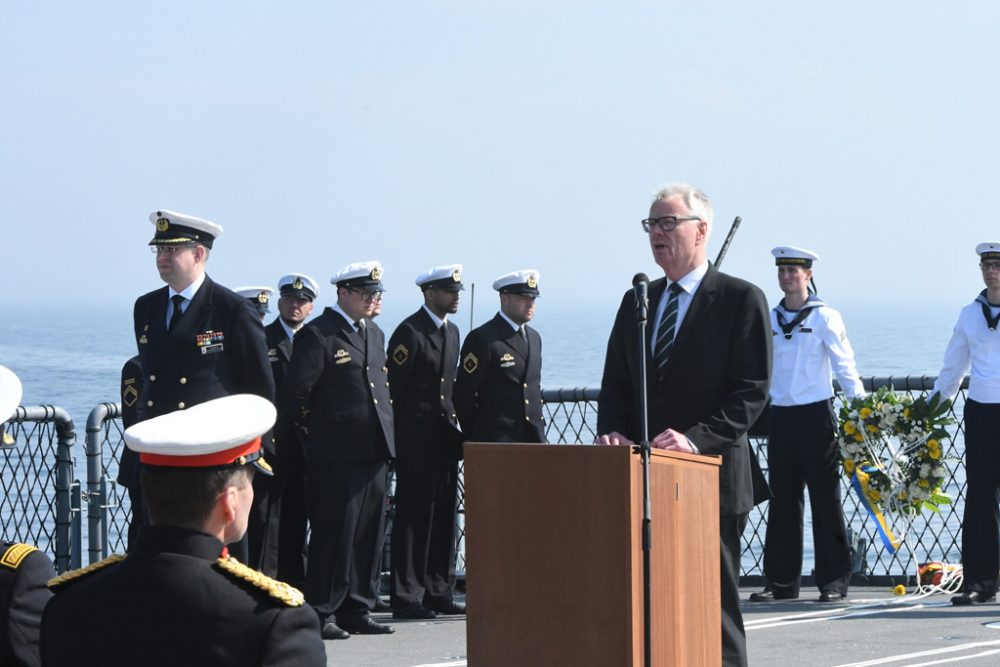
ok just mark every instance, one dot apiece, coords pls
pixel 502 135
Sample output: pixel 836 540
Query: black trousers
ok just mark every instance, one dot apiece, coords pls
pixel 981 521
pixel 734 636
pixel 802 452
pixel 423 533
pixel 292 528
pixel 347 518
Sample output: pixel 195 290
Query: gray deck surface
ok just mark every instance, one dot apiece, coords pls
pixel 871 628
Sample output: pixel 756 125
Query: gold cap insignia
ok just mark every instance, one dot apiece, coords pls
pixel 162 225
pixel 457 276
pixel 471 363
pixel 532 282
pixel 376 274
pixel 507 357
pixel 242 460
pixel 400 354
pixel 297 284
pixel 262 297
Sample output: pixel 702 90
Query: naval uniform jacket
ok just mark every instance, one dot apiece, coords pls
pixel 24 573
pixel 422 367
pixel 336 389
pixel 713 386
pixel 170 603
pixel 217 349
pixel 131 388
pixel 498 393
pixel 279 350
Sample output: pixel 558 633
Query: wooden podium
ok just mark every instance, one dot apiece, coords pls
pixel 554 553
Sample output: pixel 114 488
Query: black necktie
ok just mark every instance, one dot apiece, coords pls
pixel 360 326
pixel 668 327
pixel 178 311
pixel 524 333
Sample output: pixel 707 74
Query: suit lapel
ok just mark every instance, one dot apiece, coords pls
pixel 349 333
pixel 198 313
pixel 511 337
pixel 285 346
pixel 430 331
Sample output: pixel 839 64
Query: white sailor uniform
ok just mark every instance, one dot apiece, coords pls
pixel 975 347
pixel 810 347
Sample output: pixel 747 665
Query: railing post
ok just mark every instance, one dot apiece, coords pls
pixel 96 502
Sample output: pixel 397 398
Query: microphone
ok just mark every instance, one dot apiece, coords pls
pixel 640 283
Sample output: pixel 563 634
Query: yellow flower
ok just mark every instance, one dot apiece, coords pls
pixel 900 589
pixel 933 444
pixel 849 466
pixel 874 495
pixel 866 413
pixel 906 413
pixel 850 428
pixel 872 428
pixel 934 453
pixel 859 437
pixel 923 483
pixel 901 495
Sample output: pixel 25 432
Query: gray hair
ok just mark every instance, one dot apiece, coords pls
pixel 696 201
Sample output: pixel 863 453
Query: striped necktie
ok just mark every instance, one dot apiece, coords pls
pixel 668 327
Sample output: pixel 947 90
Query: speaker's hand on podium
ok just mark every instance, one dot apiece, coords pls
pixel 613 438
pixel 674 441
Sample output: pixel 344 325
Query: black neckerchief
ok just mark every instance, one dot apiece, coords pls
pixel 991 321
pixel 787 327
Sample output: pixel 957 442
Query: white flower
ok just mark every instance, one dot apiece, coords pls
pixel 925 470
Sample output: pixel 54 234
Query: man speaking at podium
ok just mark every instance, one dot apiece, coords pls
pixel 708 359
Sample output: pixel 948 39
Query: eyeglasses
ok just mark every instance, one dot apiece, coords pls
pixel 169 249
pixel 667 223
pixel 366 295
pixel 989 266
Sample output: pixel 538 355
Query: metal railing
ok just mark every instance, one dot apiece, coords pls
pixel 41 498
pixel 42 501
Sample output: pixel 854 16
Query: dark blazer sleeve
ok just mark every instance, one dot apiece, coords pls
pixel 616 401
pixel 304 370
pixel 749 378
pixel 404 346
pixel 254 369
pixel 294 639
pixel 28 599
pixel 473 366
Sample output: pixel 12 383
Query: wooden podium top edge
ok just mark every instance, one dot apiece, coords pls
pixel 657 453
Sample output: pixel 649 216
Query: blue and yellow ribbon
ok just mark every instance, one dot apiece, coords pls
pixel 861 489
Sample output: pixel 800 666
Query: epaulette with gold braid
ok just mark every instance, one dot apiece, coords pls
pixel 16 553
pixel 75 575
pixel 279 590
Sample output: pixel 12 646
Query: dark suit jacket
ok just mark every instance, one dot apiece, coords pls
pixel 24 573
pixel 131 390
pixel 169 603
pixel 279 350
pixel 498 393
pixel 713 386
pixel 336 389
pixel 422 367
pixel 217 349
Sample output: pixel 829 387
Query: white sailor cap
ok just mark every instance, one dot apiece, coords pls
pixel 217 434
pixel 10 398
pixel 259 296
pixel 523 282
pixel 173 228
pixel 789 255
pixel 445 277
pixel 300 285
pixel 360 274
pixel 988 250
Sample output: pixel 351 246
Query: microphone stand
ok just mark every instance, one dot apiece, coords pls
pixel 643 448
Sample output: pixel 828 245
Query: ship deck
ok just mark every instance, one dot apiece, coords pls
pixel 873 627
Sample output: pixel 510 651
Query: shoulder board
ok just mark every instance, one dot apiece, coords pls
pixel 278 590
pixel 56 583
pixel 14 554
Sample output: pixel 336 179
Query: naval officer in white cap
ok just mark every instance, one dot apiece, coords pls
pixel 296 294
pixel 180 598
pixel 24 570
pixel 336 390
pixel 974 349
pixel 498 393
pixel 259 297
pixel 423 359
pixel 810 347
pixel 196 339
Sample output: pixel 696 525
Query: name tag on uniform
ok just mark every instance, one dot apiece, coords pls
pixel 341 356
pixel 507 360
pixel 210 342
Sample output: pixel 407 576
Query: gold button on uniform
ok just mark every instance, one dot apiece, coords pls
pixel 180 405
pixel 152 378
pixel 184 380
pixel 149 403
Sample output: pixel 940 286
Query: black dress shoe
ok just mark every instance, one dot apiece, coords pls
pixel 363 625
pixel 831 596
pixel 449 608
pixel 769 595
pixel 332 631
pixel 972 597
pixel 416 612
